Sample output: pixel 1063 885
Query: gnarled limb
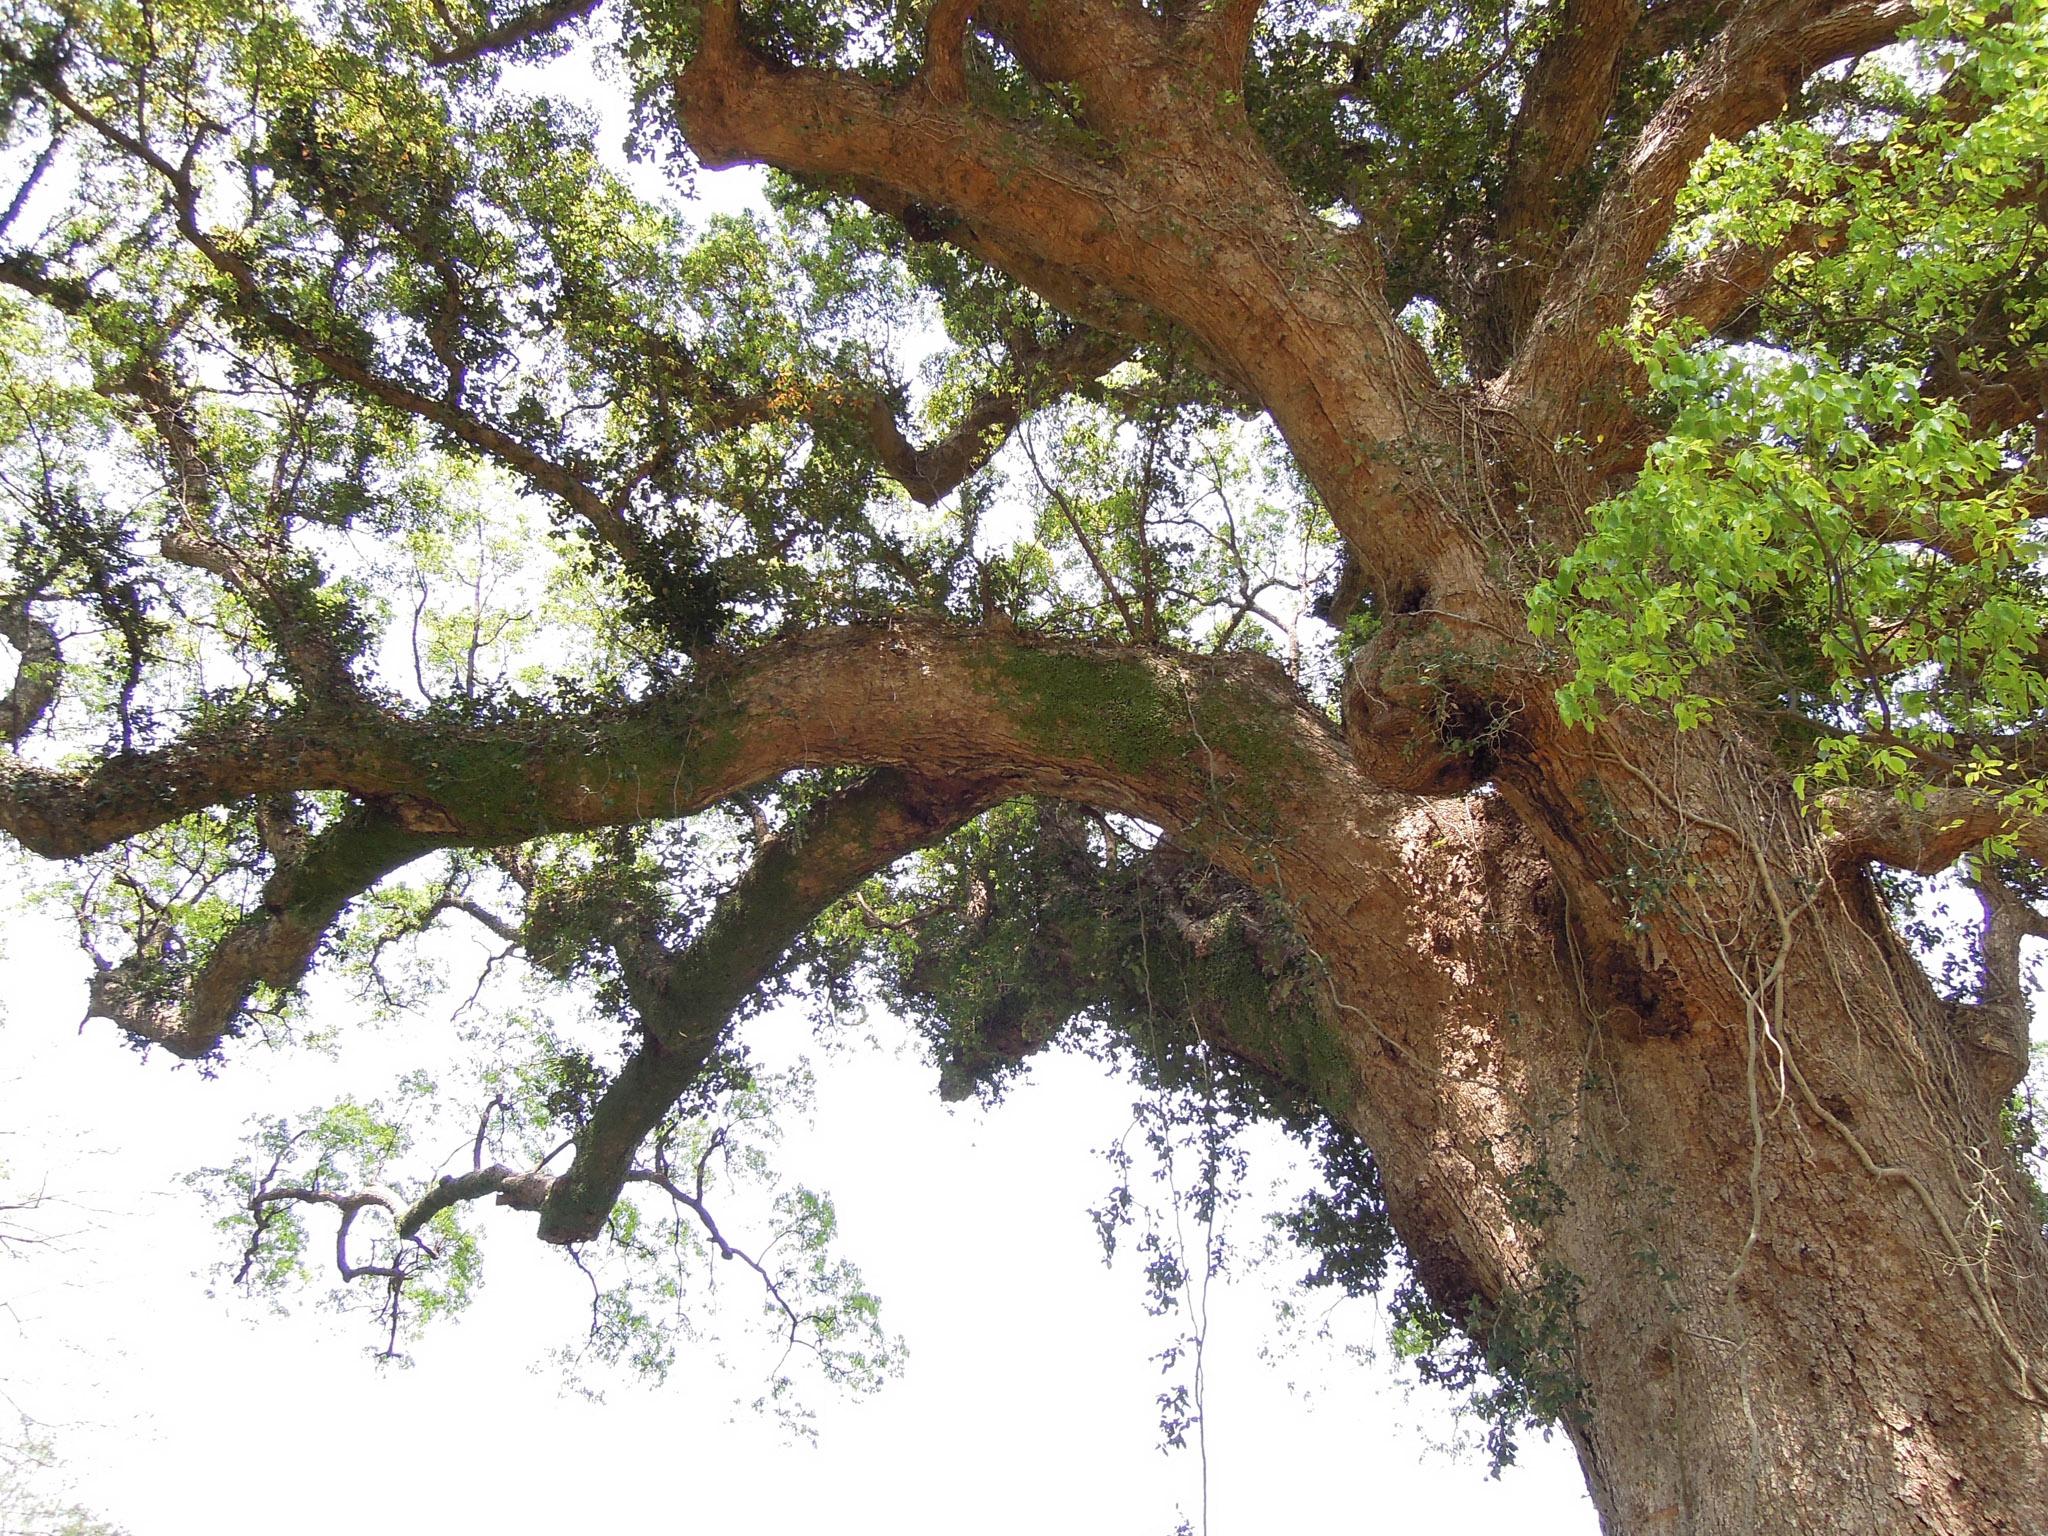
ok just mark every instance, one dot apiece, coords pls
pixel 1873 826
pixel 272 946
pixel 934 471
pixel 1744 78
pixel 686 998
pixel 516 1190
pixel 935 698
pixel 350 1204
pixel 36 672
pixel 1184 217
pixel 1994 1029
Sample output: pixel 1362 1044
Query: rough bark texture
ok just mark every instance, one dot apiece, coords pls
pixel 1651 1084
pixel 1720 1121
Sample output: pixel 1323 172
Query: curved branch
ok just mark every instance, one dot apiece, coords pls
pixel 518 1191
pixel 1995 1027
pixel 938 154
pixel 271 947
pixel 932 472
pixel 1745 78
pixel 350 1206
pixel 521 27
pixel 40 664
pixel 686 998
pixel 1159 734
pixel 1873 826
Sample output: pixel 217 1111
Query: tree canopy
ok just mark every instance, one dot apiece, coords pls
pixel 1165 523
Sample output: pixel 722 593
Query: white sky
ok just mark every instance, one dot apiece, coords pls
pixel 1027 1402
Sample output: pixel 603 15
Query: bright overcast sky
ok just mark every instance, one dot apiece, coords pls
pixel 1027 1402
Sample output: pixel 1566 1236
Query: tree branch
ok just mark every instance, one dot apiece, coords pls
pixel 272 946
pixel 1995 1026
pixel 1220 32
pixel 520 27
pixel 685 999
pixel 1564 107
pixel 36 673
pixel 350 1206
pixel 934 471
pixel 940 154
pixel 255 570
pixel 251 302
pixel 1875 826
pixel 1745 78
pixel 519 1191
pixel 1717 286
pixel 933 698
pixel 945 50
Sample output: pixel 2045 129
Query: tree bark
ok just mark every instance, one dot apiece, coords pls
pixel 1663 1111
pixel 1784 1251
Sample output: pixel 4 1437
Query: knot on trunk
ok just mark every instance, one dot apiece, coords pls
pixel 1423 708
pixel 1993 1031
pixel 1993 1037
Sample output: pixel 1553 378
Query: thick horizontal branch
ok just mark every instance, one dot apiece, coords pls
pixel 1872 826
pixel 1221 752
pixel 1156 733
pixel 519 1191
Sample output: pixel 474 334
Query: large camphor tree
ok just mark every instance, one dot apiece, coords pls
pixel 1443 571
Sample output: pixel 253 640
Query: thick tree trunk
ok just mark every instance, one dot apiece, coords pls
pixel 1764 1220
pixel 1642 1065
pixel 1830 1337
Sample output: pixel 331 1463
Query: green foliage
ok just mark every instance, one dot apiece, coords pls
pixel 1752 512
pixel 1512 1360
pixel 1833 536
pixel 337 375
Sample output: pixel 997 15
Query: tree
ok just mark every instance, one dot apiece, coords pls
pixel 1654 394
